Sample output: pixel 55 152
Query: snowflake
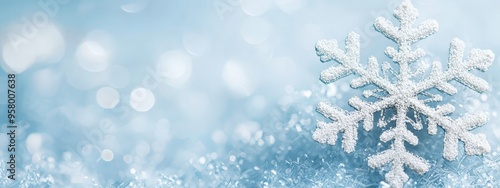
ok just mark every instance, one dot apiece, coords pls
pixel 406 94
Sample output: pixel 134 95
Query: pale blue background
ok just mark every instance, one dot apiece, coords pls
pixel 242 114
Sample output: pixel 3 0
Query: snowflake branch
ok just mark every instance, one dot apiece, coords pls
pixel 458 69
pixel 475 144
pixel 347 122
pixel 404 36
pixel 396 176
pixel 398 155
pixel 328 50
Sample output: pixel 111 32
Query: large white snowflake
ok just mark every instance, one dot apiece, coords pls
pixel 406 94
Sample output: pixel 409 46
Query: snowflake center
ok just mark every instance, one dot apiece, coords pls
pixel 404 90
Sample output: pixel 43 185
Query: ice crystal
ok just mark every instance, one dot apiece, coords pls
pixel 407 96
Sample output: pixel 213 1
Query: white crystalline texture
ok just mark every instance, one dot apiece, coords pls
pixel 402 95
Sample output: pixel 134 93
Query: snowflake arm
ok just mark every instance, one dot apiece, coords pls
pixel 404 36
pixel 455 129
pixel 328 50
pixel 347 122
pixel 398 155
pixel 458 69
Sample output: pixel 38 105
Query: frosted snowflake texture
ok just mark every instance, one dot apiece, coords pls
pixel 407 96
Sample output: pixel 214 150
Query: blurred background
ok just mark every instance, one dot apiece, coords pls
pixel 150 93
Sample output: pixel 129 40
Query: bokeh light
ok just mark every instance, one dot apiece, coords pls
pixel 142 99
pixel 36 44
pixel 107 97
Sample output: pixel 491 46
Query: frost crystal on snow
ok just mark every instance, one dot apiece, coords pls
pixel 405 95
